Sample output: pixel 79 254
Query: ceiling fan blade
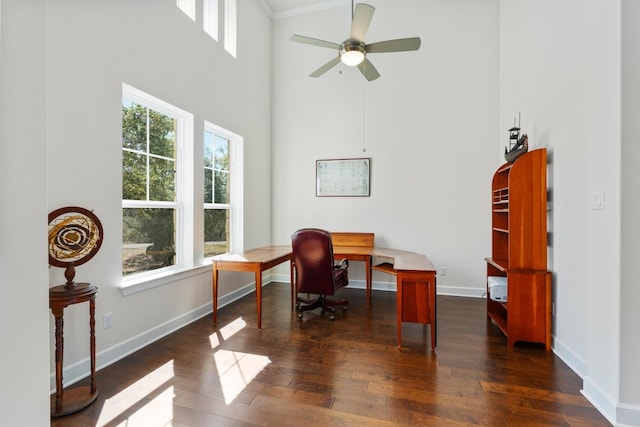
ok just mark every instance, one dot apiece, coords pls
pixel 368 70
pixel 314 42
pixel 326 67
pixel 398 45
pixel 361 19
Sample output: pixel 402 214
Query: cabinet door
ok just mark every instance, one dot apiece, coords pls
pixel 529 299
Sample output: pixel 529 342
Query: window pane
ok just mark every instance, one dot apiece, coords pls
pixel 221 167
pixel 208 150
pixel 221 160
pixel 134 126
pixel 148 239
pixel 208 186
pixel 134 176
pixel 216 232
pixel 162 181
pixel 222 187
pixel 162 135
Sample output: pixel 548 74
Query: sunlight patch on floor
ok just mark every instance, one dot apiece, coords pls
pixel 236 370
pixel 158 412
pixel 227 332
pixel 160 408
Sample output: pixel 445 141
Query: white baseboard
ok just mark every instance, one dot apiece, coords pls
pixel 618 414
pixel 576 363
pixel 391 286
pixel 627 415
pixel 598 398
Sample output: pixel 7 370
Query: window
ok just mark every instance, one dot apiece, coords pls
pixel 153 206
pixel 222 191
pixel 230 26
pixel 188 7
pixel 210 20
pixel 165 235
pixel 210 23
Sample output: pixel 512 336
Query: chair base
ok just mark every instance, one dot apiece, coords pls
pixel 306 304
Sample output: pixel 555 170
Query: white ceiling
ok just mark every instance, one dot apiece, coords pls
pixel 285 8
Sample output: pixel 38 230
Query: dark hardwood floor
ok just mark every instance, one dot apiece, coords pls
pixel 348 372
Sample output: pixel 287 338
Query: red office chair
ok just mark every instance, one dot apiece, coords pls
pixel 315 271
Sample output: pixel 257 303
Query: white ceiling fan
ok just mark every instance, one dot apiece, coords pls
pixel 353 51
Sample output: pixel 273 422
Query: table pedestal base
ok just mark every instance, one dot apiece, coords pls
pixel 73 400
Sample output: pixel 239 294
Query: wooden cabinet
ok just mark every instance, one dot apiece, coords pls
pixel 519 250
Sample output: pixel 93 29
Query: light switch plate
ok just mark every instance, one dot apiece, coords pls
pixel 597 200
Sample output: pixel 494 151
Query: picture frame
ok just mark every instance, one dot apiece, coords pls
pixel 343 177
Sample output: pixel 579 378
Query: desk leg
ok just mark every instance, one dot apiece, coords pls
pixel 367 269
pixel 215 293
pixel 432 298
pixel 399 308
pixel 259 296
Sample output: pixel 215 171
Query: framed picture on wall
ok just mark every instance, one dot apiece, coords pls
pixel 343 177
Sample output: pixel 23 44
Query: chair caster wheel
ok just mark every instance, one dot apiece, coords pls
pixel 332 317
pixel 300 315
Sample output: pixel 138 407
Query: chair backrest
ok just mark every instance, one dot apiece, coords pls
pixel 313 261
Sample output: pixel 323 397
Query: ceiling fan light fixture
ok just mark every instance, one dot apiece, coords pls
pixel 352 53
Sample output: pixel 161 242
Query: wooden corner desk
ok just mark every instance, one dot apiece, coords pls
pixel 415 275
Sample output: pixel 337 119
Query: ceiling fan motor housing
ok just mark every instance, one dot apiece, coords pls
pixel 352 52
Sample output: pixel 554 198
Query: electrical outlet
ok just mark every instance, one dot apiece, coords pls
pixel 106 320
pixel 443 271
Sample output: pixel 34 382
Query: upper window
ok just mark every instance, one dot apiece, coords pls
pixel 210 21
pixel 222 191
pixel 230 31
pixel 188 7
pixel 152 204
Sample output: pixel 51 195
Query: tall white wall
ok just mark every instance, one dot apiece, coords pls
pixel 429 125
pixel 92 48
pixel 629 408
pixel 24 322
pixel 560 67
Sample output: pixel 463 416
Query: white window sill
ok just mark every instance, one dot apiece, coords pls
pixel 140 284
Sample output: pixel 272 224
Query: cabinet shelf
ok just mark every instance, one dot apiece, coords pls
pixel 519 250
